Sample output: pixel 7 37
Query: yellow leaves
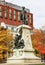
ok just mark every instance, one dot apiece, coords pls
pixel 6 43
pixel 5 38
pixel 1 39
pixel 1 56
pixel 2 35
pixel 0 47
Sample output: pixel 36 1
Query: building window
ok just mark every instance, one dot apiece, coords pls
pixel 6 13
pixel 26 19
pixel 14 14
pixel 31 19
pixel 0 11
pixel 12 29
pixel 6 27
pixel 18 16
pixel 10 14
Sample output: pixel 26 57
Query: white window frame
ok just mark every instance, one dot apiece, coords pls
pixel 30 18
pixel 10 14
pixel 0 11
pixel 14 14
pixel 19 15
pixel 6 13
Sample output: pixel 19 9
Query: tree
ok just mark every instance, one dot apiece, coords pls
pixel 38 41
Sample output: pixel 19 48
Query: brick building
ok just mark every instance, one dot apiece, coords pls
pixel 10 15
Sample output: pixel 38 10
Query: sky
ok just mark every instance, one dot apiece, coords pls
pixel 37 7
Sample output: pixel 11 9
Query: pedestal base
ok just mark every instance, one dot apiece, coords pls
pixel 24 61
pixel 25 57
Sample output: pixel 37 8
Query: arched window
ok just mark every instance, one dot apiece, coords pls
pixel 14 14
pixel 0 11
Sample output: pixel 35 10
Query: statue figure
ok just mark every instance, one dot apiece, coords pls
pixel 19 43
pixel 24 16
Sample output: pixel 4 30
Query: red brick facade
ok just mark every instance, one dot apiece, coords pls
pixel 11 16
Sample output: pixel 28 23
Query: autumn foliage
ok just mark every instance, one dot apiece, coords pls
pixel 38 41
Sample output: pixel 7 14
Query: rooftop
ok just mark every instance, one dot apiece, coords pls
pixel 13 5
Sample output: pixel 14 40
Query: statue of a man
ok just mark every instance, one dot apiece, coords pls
pixel 24 16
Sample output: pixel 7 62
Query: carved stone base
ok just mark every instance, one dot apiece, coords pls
pixel 23 57
pixel 24 61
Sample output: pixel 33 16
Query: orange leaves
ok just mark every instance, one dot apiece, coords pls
pixel 38 40
pixel 40 48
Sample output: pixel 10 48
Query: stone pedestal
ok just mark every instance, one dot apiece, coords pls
pixel 25 55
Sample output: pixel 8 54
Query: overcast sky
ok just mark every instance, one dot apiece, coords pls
pixel 37 7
